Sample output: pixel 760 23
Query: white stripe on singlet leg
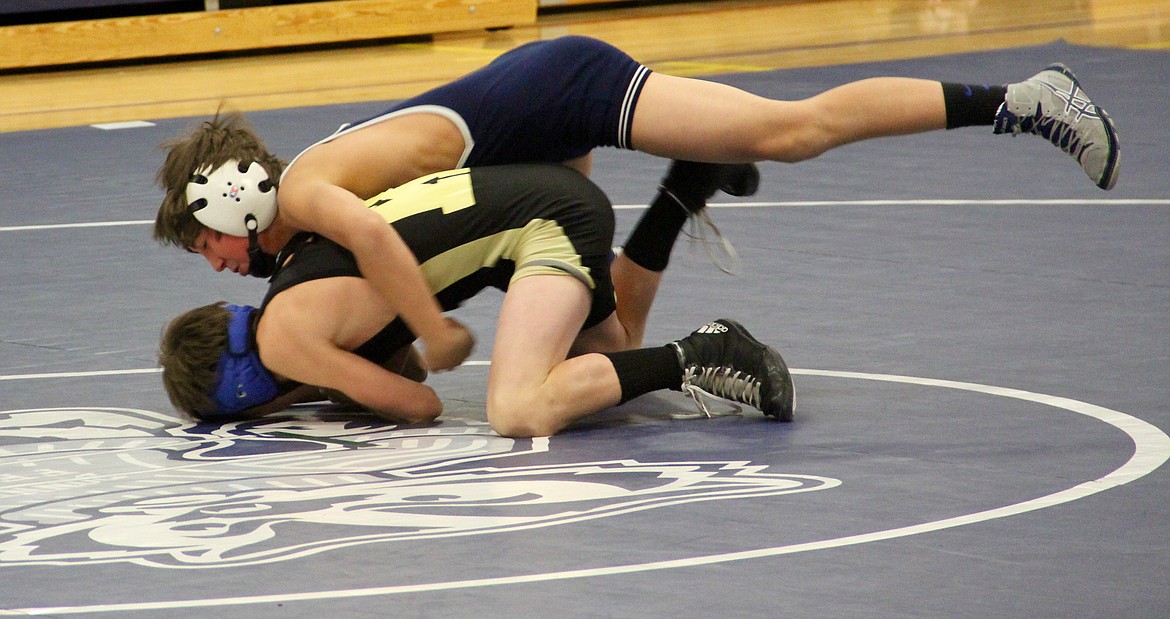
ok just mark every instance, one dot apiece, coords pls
pixel 626 119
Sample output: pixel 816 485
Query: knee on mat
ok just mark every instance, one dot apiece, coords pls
pixel 522 415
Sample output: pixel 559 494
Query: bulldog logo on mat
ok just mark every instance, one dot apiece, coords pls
pixel 85 486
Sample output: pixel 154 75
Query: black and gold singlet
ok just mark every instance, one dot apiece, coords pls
pixel 478 227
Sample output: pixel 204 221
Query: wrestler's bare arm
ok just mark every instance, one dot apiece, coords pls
pixel 406 363
pixel 384 260
pixel 301 394
pixel 386 154
pixel 302 337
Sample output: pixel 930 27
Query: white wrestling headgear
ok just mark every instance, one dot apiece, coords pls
pixel 236 198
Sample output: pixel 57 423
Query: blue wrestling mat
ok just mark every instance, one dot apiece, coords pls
pixel 979 343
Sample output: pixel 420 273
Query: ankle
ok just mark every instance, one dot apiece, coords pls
pixel 969 105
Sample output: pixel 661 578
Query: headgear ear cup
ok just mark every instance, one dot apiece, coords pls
pixel 232 197
pixel 242 381
pixel 237 198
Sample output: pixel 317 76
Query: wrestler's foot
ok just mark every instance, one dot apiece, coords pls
pixel 722 359
pixel 692 183
pixel 739 179
pixel 1052 104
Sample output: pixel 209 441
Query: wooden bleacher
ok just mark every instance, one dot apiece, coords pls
pixel 167 35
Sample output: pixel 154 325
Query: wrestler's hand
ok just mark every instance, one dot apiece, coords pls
pixel 452 346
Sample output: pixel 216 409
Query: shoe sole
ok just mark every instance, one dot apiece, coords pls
pixel 784 409
pixel 1109 176
pixel 743 186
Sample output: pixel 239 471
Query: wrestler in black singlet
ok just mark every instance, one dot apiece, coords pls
pixel 476 228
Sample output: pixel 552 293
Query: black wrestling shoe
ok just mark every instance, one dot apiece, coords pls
pixel 693 183
pixel 740 179
pixel 722 359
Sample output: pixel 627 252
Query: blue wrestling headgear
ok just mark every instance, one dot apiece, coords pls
pixel 237 198
pixel 241 380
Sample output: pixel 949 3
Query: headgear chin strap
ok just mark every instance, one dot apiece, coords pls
pixel 260 264
pixel 241 380
pixel 237 198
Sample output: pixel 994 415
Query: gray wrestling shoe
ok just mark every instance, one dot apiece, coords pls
pixel 723 360
pixel 1052 104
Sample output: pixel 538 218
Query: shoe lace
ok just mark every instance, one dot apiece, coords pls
pixel 719 249
pixel 1055 130
pixel 701 383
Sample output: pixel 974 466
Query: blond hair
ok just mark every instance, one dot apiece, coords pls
pixel 189 353
pixel 225 137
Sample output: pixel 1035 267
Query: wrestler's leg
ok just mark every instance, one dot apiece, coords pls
pixel 686 118
pixel 533 389
pixel 582 164
pixel 636 272
pixel 634 290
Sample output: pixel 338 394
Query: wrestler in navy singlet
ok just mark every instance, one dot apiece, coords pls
pixel 474 228
pixel 546 101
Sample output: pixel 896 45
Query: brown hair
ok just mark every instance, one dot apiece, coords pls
pixel 189 353
pixel 214 142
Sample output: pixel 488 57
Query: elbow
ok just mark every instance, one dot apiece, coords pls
pixel 427 413
pixel 396 399
pixel 370 236
pixel 423 409
pixel 430 407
